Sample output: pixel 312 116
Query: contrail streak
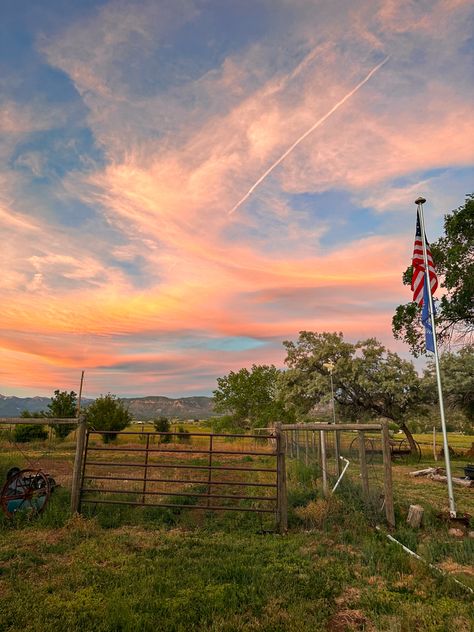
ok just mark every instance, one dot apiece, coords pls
pixel 307 133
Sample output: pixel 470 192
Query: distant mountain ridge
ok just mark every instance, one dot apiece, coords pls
pixel 142 408
pixel 199 407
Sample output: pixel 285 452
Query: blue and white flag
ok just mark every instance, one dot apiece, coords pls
pixel 425 317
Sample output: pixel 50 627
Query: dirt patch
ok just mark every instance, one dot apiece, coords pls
pixel 450 566
pixel 348 619
pixel 350 595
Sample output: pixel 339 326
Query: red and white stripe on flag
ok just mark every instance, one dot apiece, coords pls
pixel 418 264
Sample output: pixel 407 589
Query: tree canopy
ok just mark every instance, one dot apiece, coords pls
pixel 250 396
pixel 453 255
pixel 63 404
pixel 369 380
pixel 108 413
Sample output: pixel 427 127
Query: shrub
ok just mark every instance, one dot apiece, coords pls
pixel 108 413
pixel 29 432
pixel 162 424
pixel 183 435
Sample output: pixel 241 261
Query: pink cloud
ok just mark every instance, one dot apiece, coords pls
pixel 173 170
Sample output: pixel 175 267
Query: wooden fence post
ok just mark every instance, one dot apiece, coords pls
pixel 324 463
pixel 282 499
pixel 337 452
pixel 78 461
pixel 387 478
pixel 306 447
pixel 363 465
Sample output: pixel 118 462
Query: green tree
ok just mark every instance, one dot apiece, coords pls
pixel 369 381
pixel 162 424
pixel 108 413
pixel 251 397
pixel 457 371
pixel 63 405
pixel 453 255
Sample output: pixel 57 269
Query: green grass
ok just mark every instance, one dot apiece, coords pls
pixel 121 568
pixel 455 440
pixel 220 576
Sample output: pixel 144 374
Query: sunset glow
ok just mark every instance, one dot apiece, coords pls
pixel 135 244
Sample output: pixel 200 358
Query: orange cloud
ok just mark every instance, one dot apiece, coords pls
pixel 160 260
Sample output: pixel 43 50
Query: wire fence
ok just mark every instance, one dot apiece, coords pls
pixel 342 461
pixel 41 450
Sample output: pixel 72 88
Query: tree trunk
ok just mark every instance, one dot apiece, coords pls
pixel 409 436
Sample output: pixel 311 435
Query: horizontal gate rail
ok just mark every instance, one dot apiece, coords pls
pixel 194 495
pixel 178 480
pixel 186 467
pixel 180 434
pixel 178 451
pixel 175 505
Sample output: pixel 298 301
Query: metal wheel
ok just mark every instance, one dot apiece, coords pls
pixel 26 490
pixel 369 449
pixel 406 448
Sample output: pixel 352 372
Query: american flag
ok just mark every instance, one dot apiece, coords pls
pixel 418 277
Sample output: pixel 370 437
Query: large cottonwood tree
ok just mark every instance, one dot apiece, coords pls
pixel 369 380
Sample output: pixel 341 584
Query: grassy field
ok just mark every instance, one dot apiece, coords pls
pixel 140 569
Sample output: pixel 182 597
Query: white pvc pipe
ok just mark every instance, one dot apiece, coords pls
pixel 342 474
pixel 410 552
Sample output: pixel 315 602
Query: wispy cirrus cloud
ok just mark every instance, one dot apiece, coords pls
pixel 118 207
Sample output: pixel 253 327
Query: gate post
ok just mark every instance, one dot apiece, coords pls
pixel 282 499
pixel 363 465
pixel 387 478
pixel 78 459
pixel 324 464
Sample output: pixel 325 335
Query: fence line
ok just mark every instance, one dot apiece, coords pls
pixel 320 451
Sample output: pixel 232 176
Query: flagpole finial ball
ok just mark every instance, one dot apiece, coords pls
pixel 420 200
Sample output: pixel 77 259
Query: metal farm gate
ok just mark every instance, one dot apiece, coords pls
pixel 200 471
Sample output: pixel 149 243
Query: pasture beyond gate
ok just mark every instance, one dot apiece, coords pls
pixel 192 470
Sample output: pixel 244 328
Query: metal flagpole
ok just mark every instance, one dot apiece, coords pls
pixel 330 367
pixel 452 507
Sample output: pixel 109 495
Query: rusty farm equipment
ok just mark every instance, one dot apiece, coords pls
pixel 26 491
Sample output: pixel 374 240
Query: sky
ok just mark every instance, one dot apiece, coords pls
pixel 184 184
